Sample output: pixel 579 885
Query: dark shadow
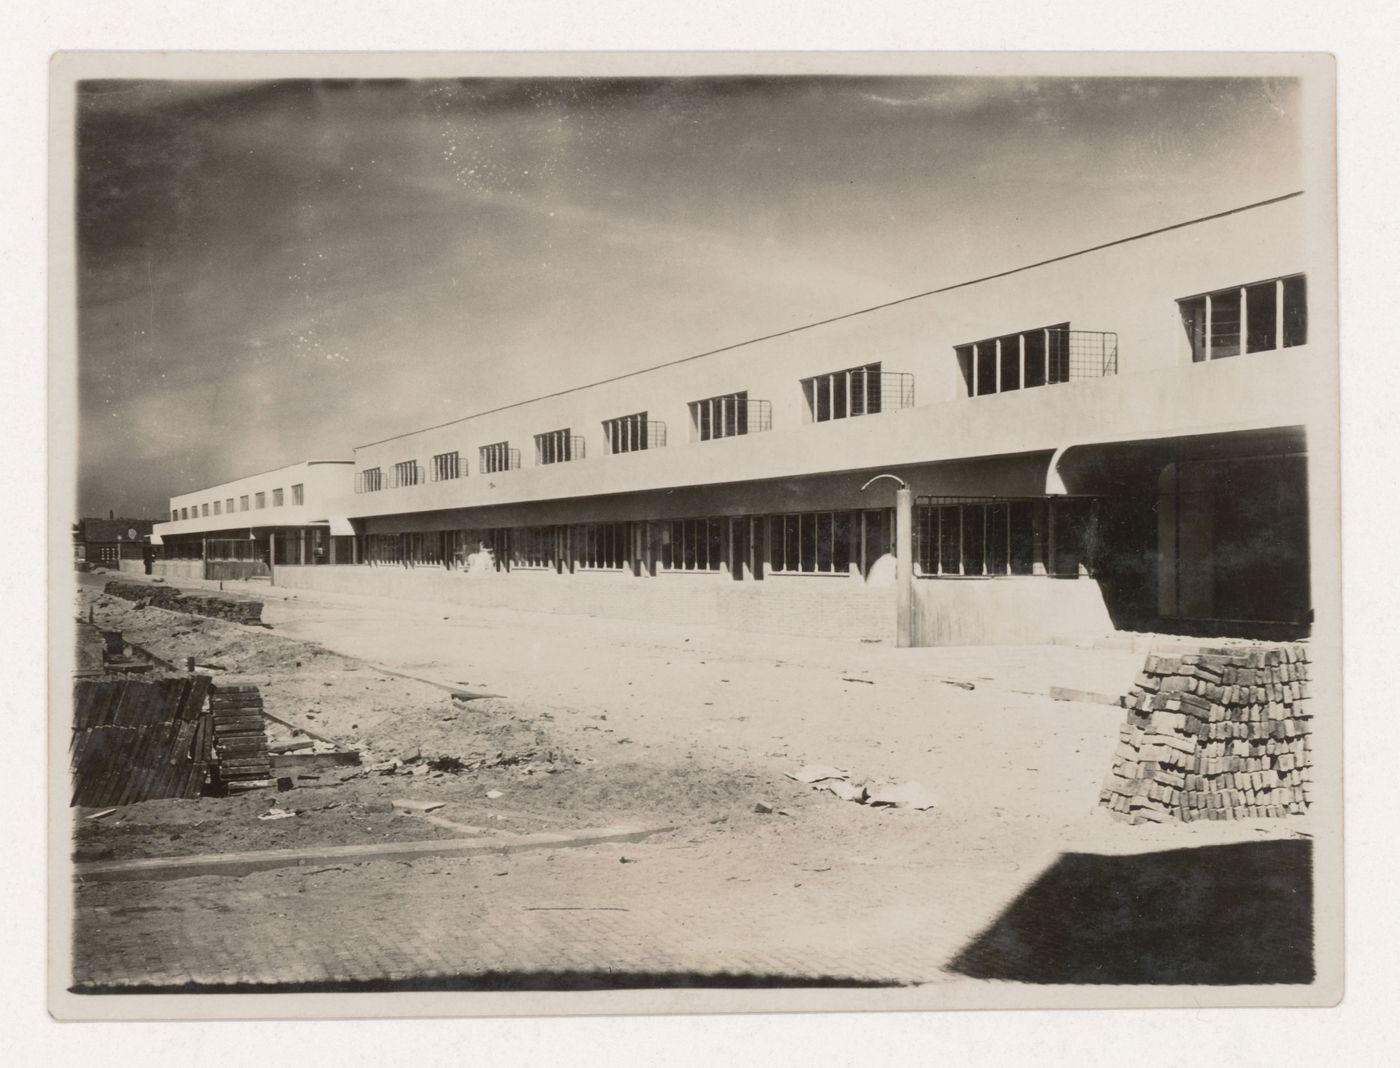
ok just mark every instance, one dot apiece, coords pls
pixel 1221 915
pixel 507 981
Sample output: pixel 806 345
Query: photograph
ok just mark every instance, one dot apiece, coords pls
pixel 574 533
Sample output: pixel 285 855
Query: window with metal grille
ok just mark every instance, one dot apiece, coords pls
pixel 497 457
pixel 536 547
pixel 729 416
pixel 407 473
pixel 633 433
pixel 260 500
pixel 1030 358
pixel 856 391
pixel 1258 317
pixel 370 480
pixel 174 514
pixel 558 447
pixel 204 509
pixel 995 536
pixel 447 466
pixel 218 507
pixel 692 544
pixel 298 495
pixel 603 546
pixel 243 503
pixel 813 543
pixel 228 506
pixel 383 549
pixel 184 513
pixel 277 498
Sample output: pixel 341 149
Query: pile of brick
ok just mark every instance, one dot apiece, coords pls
pixel 1221 734
pixel 214 605
pixel 241 760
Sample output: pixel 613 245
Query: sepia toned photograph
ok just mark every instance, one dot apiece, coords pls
pixel 581 533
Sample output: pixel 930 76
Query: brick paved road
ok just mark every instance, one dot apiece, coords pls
pixel 679 909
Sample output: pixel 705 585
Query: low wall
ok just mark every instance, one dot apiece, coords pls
pixel 234 570
pixel 1009 611
pixel 177 569
pixel 132 567
pixel 814 606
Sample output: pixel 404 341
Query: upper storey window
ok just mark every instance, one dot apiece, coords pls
pixel 1045 356
pixel 298 494
pixel 371 480
pixel 856 391
pixel 447 466
pixel 729 416
pixel 633 433
pixel 497 457
pixel 558 447
pixel 1251 318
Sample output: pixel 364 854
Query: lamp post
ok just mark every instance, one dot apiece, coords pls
pixel 903 560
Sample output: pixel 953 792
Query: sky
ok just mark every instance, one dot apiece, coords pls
pixel 273 271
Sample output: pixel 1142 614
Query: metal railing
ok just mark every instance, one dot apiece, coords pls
pixel 370 480
pixel 858 391
pixel 633 435
pixel 557 448
pixel 448 466
pixel 1085 353
pixel 496 458
pixel 402 475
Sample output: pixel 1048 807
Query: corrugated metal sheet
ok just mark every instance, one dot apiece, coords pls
pixel 139 739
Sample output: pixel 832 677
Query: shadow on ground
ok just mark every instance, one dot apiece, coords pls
pixel 566 981
pixel 1225 915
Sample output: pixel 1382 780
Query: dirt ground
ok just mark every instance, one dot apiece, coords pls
pixel 606 723
pixel 415 741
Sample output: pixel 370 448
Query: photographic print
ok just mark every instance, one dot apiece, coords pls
pixel 556 534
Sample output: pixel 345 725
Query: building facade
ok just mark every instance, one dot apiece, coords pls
pixel 1117 438
pixel 245 528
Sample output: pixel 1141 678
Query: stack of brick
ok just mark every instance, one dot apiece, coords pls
pixel 241 759
pixel 211 604
pixel 1221 734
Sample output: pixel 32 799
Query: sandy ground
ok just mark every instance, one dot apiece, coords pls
pixel 606 722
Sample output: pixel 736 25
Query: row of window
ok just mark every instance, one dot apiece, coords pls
pixel 953 537
pixel 989 537
pixel 1256 317
pixel 259 500
pixel 844 394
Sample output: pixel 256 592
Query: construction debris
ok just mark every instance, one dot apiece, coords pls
pixel 810 773
pixel 138 740
pixel 240 743
pixel 1222 734
pixel 903 795
pixel 208 603
pixel 838 781
pixel 404 804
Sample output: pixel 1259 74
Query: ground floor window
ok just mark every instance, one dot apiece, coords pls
pixel 383 549
pixel 810 543
pixel 691 544
pixel 603 546
pixel 536 547
pixel 996 536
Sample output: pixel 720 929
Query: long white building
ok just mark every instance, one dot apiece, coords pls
pixel 1117 438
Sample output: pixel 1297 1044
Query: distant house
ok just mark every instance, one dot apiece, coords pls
pixel 106 541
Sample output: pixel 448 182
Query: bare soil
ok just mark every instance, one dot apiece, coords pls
pixel 416 741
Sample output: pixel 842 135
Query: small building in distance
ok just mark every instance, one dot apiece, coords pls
pixel 112 540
